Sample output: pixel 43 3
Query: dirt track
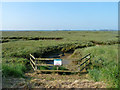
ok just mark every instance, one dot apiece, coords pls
pixel 62 81
pixel 53 81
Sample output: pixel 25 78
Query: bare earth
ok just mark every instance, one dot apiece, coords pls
pixel 63 81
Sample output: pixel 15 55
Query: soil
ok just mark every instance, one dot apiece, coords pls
pixel 63 81
pixel 54 81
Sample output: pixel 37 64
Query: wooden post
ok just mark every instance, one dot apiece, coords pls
pixel 33 60
pixel 57 69
pixel 35 64
pixel 80 66
pixel 84 66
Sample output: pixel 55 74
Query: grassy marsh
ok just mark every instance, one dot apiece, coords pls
pixel 15 52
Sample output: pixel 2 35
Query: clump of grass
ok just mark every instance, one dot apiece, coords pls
pixel 107 74
pixel 94 74
pixel 13 70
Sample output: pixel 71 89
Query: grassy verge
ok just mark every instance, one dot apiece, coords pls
pixel 104 63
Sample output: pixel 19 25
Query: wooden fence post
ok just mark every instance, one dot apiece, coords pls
pixel 35 64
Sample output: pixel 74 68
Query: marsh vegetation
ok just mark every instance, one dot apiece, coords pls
pixel 103 46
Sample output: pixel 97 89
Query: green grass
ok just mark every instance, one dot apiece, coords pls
pixel 13 70
pixel 71 40
pixel 104 63
pixel 37 48
pixel 101 36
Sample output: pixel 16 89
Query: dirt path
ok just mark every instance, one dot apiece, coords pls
pixel 59 81
pixel 52 81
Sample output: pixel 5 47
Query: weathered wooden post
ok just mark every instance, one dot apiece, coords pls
pixel 35 64
pixel 84 62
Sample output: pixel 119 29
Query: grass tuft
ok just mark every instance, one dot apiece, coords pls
pixel 13 70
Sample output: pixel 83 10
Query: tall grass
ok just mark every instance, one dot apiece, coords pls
pixel 104 63
pixel 13 70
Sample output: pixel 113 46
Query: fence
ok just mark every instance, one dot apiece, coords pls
pixel 84 62
pixel 35 62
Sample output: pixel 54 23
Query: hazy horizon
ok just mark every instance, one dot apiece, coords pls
pixel 60 30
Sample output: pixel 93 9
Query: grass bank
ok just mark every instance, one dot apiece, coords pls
pixel 104 63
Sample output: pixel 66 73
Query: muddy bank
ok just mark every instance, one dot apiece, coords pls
pixel 64 56
pixel 60 49
pixel 68 48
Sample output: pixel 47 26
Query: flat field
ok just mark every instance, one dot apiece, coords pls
pixel 66 35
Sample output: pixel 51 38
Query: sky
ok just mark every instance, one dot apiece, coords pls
pixel 59 15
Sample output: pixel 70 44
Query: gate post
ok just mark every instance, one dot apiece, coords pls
pixel 35 64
